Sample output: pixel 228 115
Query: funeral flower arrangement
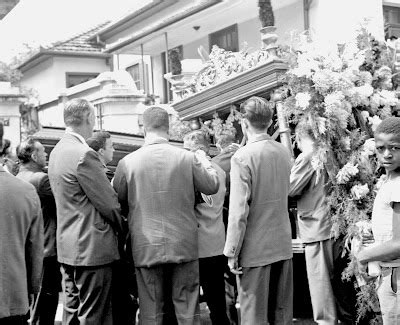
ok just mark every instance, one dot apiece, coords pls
pixel 343 95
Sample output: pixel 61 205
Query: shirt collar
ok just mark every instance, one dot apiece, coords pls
pixel 154 139
pixel 80 138
pixel 259 137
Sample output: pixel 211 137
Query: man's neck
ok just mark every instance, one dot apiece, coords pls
pixel 102 159
pixel 31 166
pixel 254 134
pixel 83 132
pixel 155 135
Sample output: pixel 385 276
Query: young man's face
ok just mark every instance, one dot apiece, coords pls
pixel 388 151
pixel 108 151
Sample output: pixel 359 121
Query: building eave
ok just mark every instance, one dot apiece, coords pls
pixel 130 19
pixel 43 55
pixel 116 46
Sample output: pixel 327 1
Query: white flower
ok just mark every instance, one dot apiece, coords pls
pixel 375 101
pixel 374 122
pixel 359 191
pixel 321 124
pixel 346 143
pixel 344 175
pixel 334 99
pixel 388 97
pixel 364 226
pixel 365 90
pixel 365 114
pixel 368 147
pixel 303 100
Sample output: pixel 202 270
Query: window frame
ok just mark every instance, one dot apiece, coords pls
pixel 83 74
pixel 223 32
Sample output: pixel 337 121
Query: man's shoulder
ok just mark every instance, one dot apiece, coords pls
pixel 68 148
pixel 17 185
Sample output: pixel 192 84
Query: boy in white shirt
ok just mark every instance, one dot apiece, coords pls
pixel 386 222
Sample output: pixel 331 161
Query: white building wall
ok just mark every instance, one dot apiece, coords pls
pixel 41 78
pixel 49 77
pixel 331 24
pixel 190 49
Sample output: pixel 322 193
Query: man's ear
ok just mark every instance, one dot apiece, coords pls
pixel 245 124
pixel 34 156
pixel 101 151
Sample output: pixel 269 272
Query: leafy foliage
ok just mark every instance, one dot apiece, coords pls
pixel 265 13
pixel 342 95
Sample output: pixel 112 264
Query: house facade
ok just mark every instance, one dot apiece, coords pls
pixel 63 65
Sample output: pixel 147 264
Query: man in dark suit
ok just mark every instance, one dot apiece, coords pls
pixel 21 246
pixel 157 183
pixel 259 240
pixel 88 220
pixel 227 147
pixel 32 157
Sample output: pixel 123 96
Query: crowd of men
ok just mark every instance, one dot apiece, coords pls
pixel 169 221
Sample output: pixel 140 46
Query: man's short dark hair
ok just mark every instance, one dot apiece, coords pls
pixel 98 140
pixel 5 148
pixel 196 140
pixel 25 150
pixel 225 139
pixel 257 111
pixel 390 125
pixel 156 118
pixel 75 111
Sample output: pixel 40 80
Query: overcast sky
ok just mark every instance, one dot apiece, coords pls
pixel 40 22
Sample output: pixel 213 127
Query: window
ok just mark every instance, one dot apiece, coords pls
pixel 140 75
pixel 167 92
pixel 76 78
pixel 226 38
pixel 134 71
pixel 391 17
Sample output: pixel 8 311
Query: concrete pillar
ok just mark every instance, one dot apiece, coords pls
pixel 334 22
pixel 10 99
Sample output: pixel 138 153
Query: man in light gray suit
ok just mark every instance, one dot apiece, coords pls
pixel 259 241
pixel 88 220
pixel 157 185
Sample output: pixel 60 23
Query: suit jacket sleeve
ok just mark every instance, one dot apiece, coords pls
pixel 238 206
pixel 44 188
pixel 205 177
pixel 121 187
pixel 34 249
pixel 300 175
pixel 94 182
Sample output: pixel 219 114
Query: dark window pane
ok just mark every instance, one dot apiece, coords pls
pixel 73 79
pixel 225 38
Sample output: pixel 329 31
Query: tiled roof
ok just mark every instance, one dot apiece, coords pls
pixel 79 43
